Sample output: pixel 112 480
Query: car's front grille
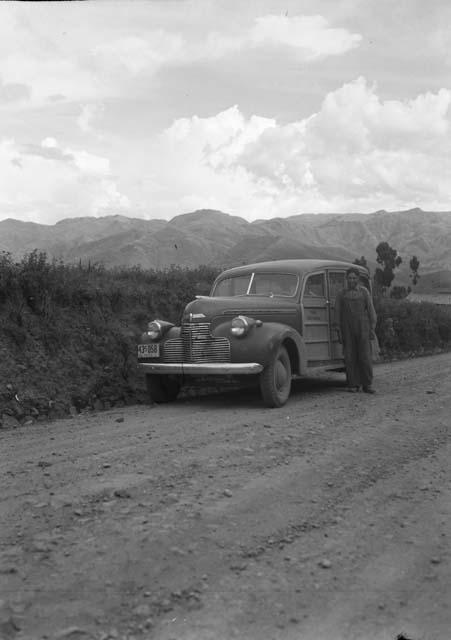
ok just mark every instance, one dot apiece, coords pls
pixel 196 344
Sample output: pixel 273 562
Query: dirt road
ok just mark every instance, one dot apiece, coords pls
pixel 215 518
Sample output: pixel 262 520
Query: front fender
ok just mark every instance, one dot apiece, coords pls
pixel 173 332
pixel 262 342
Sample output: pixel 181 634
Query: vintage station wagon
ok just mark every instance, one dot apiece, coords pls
pixel 270 319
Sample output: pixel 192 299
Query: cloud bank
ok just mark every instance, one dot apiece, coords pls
pixel 97 109
pixel 357 153
pixel 48 182
pixel 50 61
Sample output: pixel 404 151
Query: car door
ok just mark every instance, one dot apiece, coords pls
pixel 316 320
pixel 335 282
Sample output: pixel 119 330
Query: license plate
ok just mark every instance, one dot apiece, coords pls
pixel 149 350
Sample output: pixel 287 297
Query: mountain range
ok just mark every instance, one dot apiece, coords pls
pixel 215 238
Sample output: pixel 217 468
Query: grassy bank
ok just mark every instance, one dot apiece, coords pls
pixel 68 333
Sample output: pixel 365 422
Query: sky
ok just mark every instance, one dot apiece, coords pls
pixel 261 109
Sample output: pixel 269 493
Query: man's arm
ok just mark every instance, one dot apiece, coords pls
pixel 372 316
pixel 337 316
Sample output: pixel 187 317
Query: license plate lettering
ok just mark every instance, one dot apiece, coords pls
pixel 149 350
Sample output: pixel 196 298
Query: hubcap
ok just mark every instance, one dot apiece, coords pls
pixel 281 377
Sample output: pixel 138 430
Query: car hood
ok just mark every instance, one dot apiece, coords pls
pixel 238 305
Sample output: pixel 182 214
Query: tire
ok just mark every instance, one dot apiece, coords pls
pixel 162 388
pixel 275 380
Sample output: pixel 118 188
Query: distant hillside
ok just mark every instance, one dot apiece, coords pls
pixel 216 238
pixel 439 281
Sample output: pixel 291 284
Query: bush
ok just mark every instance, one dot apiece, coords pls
pixel 71 330
pixel 412 328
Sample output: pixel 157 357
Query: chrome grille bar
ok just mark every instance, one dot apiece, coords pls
pixel 196 345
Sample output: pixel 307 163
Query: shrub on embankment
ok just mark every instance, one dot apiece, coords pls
pixel 68 333
pixel 407 329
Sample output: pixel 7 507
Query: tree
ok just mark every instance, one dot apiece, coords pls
pixel 399 292
pixel 388 258
pixel 414 266
pixel 361 261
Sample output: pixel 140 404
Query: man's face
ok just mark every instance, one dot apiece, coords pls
pixel 352 280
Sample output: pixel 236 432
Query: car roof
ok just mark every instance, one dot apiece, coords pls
pixel 292 266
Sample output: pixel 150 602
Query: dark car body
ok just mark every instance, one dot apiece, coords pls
pixel 274 319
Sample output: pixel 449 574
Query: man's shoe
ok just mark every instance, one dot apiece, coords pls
pixel 368 390
pixel 353 389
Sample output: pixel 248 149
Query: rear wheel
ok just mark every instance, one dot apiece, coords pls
pixel 275 380
pixel 162 388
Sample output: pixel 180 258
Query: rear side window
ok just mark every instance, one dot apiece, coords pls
pixel 315 286
pixel 336 283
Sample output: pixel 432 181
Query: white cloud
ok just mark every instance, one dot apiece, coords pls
pixel 46 75
pixel 218 45
pixel 89 113
pixel 311 36
pixel 192 163
pixel 221 137
pixel 77 53
pixel 136 54
pixel 47 182
pixel 354 117
pixel 357 153
pixel 437 41
pixel 13 92
pixel 49 143
pixel 53 54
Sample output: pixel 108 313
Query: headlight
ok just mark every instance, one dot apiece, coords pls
pixel 154 330
pixel 240 326
pixel 157 329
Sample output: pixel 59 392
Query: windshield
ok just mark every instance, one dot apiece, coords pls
pixel 258 284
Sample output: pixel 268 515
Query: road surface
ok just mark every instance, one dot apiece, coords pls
pixel 214 518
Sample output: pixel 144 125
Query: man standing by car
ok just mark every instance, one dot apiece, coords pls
pixel 355 322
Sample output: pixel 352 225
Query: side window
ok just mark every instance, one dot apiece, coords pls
pixel 314 286
pixel 336 283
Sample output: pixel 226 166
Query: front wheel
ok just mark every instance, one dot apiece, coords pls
pixel 275 380
pixel 162 388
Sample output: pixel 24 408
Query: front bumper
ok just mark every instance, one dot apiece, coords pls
pixel 207 368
